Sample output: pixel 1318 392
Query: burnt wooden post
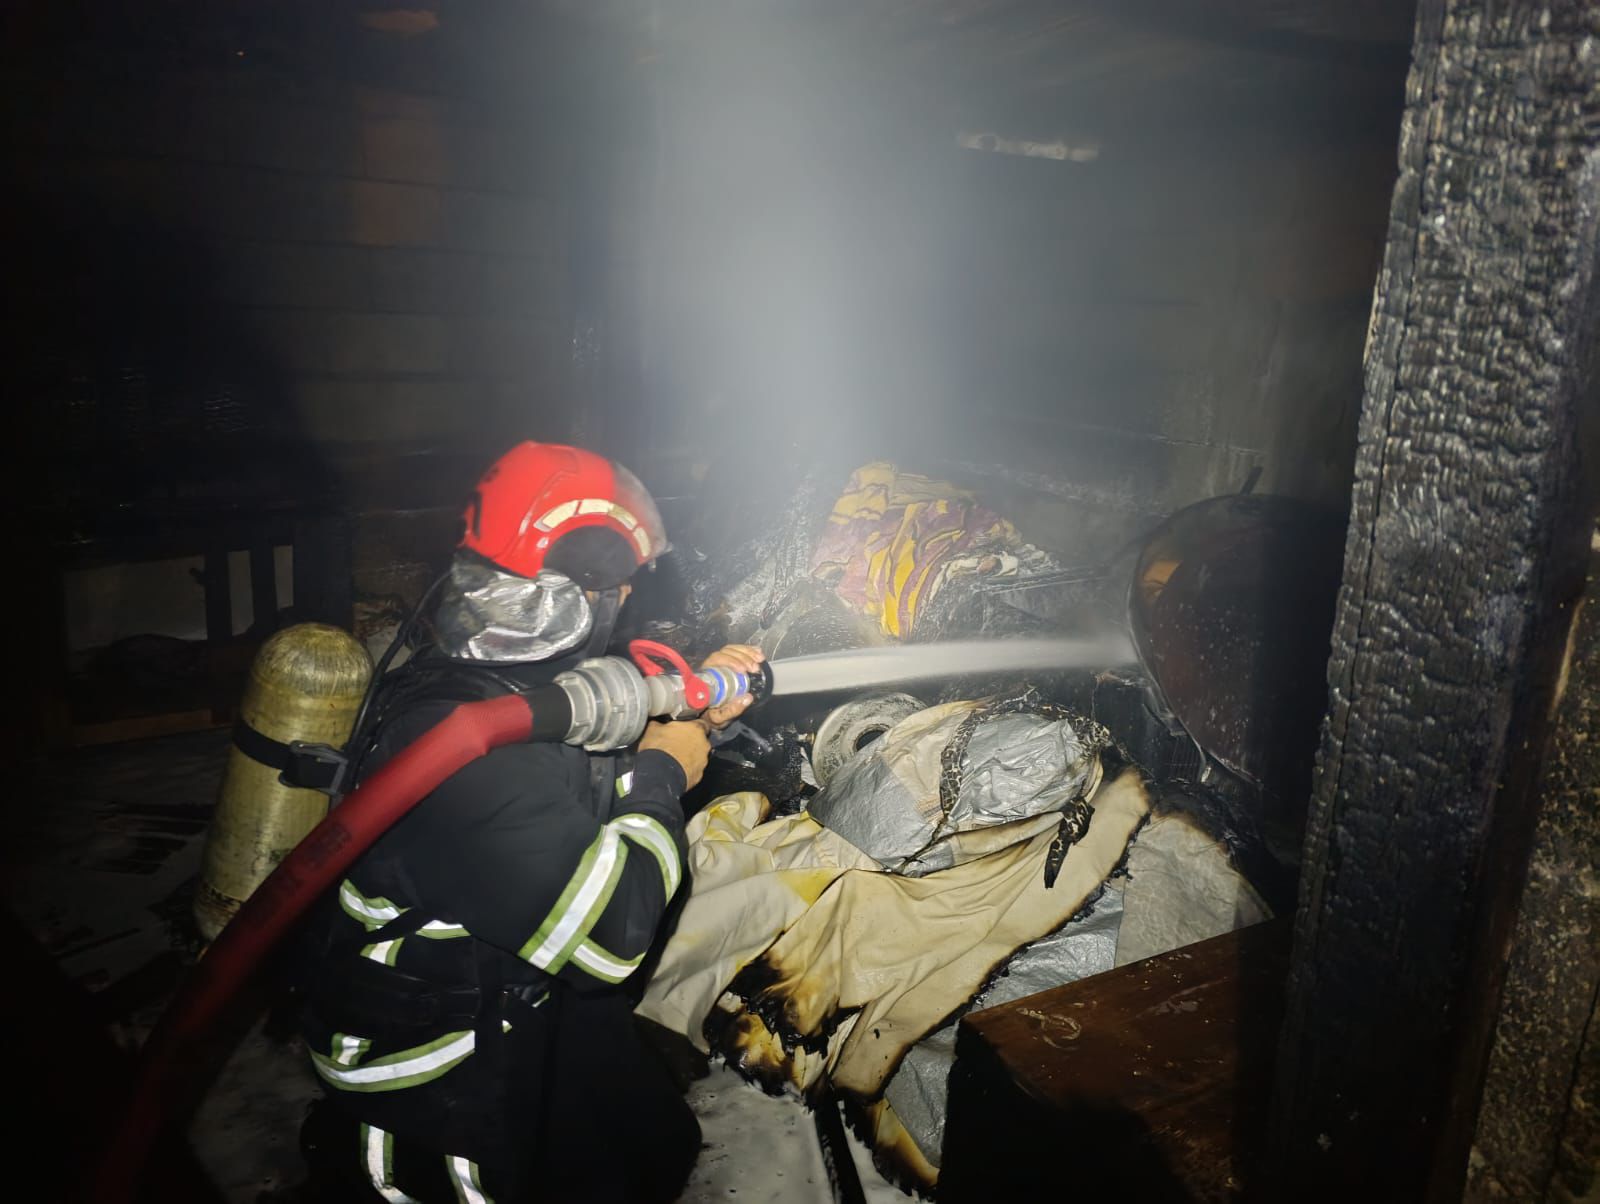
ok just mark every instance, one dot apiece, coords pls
pixel 1468 533
pixel 1539 1128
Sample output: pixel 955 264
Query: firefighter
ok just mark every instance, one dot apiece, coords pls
pixel 466 1002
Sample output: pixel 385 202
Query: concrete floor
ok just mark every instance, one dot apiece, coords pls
pixel 102 878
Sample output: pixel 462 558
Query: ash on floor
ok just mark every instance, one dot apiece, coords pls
pixel 103 879
pixel 764 1148
pixel 758 1149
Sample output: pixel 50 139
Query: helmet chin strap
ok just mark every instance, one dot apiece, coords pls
pixel 606 604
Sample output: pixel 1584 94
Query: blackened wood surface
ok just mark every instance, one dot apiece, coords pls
pixel 1577 1168
pixel 1466 545
pixel 1149 1082
pixel 1529 1106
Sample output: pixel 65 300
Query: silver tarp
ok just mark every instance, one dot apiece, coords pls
pixel 890 800
pixel 919 1089
pixel 1178 887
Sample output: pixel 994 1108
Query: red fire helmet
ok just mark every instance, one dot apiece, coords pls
pixel 544 505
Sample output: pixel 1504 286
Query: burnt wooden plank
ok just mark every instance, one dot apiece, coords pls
pixel 1465 553
pixel 1554 975
pixel 1150 1081
pixel 1577 1169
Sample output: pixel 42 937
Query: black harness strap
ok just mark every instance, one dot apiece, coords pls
pixel 360 995
pixel 299 763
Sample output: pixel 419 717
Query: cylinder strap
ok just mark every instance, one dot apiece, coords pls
pixel 309 766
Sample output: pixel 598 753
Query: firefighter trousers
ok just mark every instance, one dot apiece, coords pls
pixel 571 1106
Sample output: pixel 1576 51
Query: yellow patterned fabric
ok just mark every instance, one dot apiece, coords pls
pixel 893 538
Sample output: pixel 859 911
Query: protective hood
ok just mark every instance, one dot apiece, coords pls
pixel 486 614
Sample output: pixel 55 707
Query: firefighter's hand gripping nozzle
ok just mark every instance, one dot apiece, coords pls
pixel 612 699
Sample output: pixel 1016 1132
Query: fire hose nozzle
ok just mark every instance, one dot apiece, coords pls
pixel 726 685
pixel 612 700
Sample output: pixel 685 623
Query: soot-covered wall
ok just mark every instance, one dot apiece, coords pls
pixel 264 252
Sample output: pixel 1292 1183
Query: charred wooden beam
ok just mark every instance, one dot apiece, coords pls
pixel 1530 1103
pixel 1465 555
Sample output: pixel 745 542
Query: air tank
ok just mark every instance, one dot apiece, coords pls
pixel 306 684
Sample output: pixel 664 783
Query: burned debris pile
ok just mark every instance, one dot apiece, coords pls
pixel 872 864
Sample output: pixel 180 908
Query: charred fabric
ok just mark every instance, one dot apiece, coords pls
pixel 1074 819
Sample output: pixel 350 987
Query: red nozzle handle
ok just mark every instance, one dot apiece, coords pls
pixel 646 653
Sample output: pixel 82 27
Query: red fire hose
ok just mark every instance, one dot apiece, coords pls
pixel 163 1075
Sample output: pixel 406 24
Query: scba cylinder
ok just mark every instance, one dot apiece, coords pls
pixel 306 684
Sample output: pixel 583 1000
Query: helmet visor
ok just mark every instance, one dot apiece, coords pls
pixel 649 533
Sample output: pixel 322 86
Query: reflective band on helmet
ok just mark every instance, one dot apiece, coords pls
pixel 600 964
pixel 464 1178
pixel 554 517
pixel 644 831
pixel 599 505
pixel 587 893
pixel 581 507
pixel 377 1150
pixel 408 1068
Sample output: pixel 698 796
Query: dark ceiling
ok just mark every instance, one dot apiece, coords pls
pixel 1050 66
pixel 1079 70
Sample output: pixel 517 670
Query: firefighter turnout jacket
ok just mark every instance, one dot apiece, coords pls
pixel 535 871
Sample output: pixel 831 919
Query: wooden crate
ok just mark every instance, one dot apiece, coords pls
pixel 1151 1080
